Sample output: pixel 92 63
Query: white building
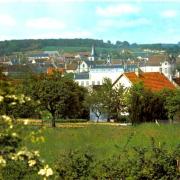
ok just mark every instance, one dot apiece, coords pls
pixel 33 57
pixel 84 66
pixel 98 73
pixel 160 63
pixel 154 81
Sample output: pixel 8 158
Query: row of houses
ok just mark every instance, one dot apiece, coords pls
pixel 94 74
pixel 89 70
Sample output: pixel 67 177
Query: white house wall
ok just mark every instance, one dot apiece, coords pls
pixel 123 81
pixel 98 75
pixel 150 68
pixel 167 69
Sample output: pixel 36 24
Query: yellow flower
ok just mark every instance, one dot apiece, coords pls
pixel 12 96
pixel 42 172
pixel 13 103
pixel 14 134
pixel 47 171
pixel 27 98
pixel 14 157
pixel 7 119
pixel 36 153
pixel 1 98
pixel 31 163
pixel 2 161
pixel 25 122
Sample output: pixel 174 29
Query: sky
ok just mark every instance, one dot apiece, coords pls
pixel 135 21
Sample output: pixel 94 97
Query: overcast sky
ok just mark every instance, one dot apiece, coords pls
pixel 137 21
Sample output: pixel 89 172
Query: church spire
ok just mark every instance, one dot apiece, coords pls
pixel 93 50
pixel 93 54
pixel 108 59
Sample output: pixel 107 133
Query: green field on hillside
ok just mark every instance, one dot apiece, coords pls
pixel 76 49
pixel 103 140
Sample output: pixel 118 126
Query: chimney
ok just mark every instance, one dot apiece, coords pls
pixel 65 66
pixel 137 71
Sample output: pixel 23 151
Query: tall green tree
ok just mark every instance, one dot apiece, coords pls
pixel 145 105
pixel 61 96
pixel 107 100
pixel 173 104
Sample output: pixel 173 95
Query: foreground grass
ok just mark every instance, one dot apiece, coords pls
pixel 103 140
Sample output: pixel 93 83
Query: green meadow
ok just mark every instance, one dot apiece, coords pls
pixel 102 139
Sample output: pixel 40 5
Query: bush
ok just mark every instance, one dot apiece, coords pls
pixel 124 119
pixel 17 162
pixel 153 162
pixel 74 165
pixel 143 163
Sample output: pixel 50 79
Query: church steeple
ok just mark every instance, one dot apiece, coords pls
pixel 93 51
pixel 108 59
pixel 93 54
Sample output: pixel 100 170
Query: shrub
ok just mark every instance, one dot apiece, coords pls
pixel 143 163
pixel 74 165
pixel 17 162
pixel 153 162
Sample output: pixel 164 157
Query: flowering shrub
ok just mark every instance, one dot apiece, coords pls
pixel 15 105
pixel 18 162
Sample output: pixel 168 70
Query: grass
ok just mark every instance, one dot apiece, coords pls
pixel 103 140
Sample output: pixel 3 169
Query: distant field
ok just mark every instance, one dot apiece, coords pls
pixel 103 140
pixel 75 49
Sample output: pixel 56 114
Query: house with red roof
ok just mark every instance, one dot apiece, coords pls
pixel 162 63
pixel 154 81
pixel 51 70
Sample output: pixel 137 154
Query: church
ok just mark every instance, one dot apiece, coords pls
pixel 92 72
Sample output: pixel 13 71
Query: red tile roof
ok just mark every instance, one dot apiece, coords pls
pixel 51 70
pixel 152 80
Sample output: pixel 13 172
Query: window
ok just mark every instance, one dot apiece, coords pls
pixel 93 82
pixel 82 83
pixel 87 83
pixel 165 71
pixel 98 82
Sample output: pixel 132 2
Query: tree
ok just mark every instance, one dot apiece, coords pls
pixel 114 103
pixel 61 96
pixel 107 100
pixel 145 105
pixel 173 104
pixel 94 103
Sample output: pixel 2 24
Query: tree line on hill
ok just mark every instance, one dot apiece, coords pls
pixel 10 46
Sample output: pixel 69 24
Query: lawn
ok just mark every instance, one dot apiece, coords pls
pixel 103 140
